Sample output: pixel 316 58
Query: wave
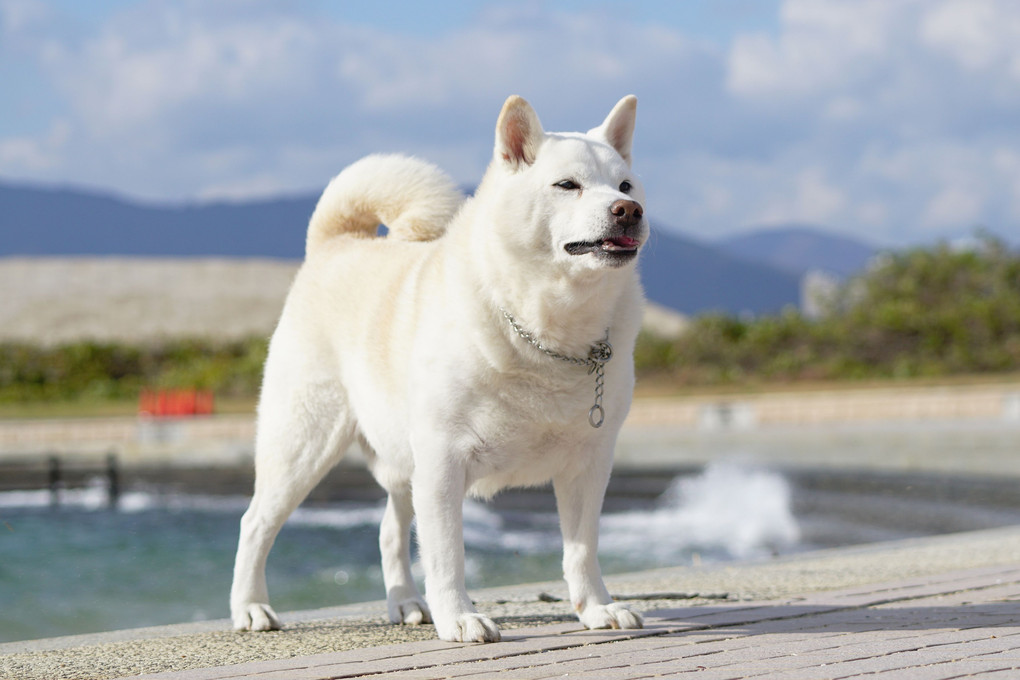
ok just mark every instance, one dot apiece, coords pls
pixel 729 510
pixel 95 496
pixel 346 516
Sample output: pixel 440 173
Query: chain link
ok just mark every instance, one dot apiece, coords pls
pixel 598 356
pixel 597 414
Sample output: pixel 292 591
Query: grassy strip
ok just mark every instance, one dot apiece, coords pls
pixel 94 373
pixel 104 408
pixel 649 386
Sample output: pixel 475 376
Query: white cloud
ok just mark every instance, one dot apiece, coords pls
pixel 978 34
pixel 902 101
pixel 801 197
pixel 818 201
pixel 1007 162
pixel 158 66
pixel 171 91
pixel 952 207
pixel 872 214
pixel 825 45
pixel 35 153
pixel 21 17
pixel 888 118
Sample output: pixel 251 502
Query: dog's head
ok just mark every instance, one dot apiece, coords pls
pixel 569 196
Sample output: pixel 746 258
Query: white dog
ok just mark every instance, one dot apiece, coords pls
pixel 468 351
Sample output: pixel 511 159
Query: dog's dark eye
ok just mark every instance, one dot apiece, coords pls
pixel 625 187
pixel 568 185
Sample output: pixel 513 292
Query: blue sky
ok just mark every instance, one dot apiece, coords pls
pixel 896 121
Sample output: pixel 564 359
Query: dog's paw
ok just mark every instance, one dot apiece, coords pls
pixel 612 615
pixel 255 616
pixel 412 611
pixel 469 628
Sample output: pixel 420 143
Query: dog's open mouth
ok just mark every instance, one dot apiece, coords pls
pixel 617 249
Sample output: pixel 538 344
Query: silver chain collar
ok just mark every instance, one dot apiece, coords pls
pixel 598 356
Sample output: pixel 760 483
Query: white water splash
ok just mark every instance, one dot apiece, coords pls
pixel 485 529
pixel 729 511
pixel 347 516
pixel 738 511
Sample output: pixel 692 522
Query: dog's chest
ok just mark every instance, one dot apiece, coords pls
pixel 527 438
pixel 530 459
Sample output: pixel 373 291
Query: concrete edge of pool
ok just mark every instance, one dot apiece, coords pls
pixel 211 645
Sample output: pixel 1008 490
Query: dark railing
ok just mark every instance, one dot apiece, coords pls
pixel 56 473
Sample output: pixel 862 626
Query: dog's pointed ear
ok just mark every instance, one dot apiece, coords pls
pixel 518 133
pixel 618 128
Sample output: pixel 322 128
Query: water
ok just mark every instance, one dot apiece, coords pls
pixel 167 558
pixel 163 559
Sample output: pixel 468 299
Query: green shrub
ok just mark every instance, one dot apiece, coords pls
pixel 921 313
pixel 93 370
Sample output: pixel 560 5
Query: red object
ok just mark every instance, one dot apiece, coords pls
pixel 175 403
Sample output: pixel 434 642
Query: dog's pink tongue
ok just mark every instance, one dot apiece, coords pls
pixel 626 242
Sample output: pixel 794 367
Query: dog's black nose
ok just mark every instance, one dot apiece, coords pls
pixel 627 213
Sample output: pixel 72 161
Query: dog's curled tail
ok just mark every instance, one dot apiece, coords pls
pixel 414 199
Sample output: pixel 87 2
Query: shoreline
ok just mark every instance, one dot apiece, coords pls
pixel 212 645
pixel 227 438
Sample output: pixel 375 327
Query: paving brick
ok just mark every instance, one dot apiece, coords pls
pixel 946 671
pixel 843 663
pixel 917 587
pixel 948 626
pixel 950 671
pixel 513 663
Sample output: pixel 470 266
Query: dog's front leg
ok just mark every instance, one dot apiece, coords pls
pixel 439 486
pixel 579 501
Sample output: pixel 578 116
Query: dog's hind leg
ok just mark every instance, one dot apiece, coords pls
pixel 404 602
pixel 294 449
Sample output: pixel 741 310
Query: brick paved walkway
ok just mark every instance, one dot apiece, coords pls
pixel 948 626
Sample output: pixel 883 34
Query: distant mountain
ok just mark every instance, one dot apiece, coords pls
pixel 55 222
pixel 693 277
pixel 678 272
pixel 798 249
